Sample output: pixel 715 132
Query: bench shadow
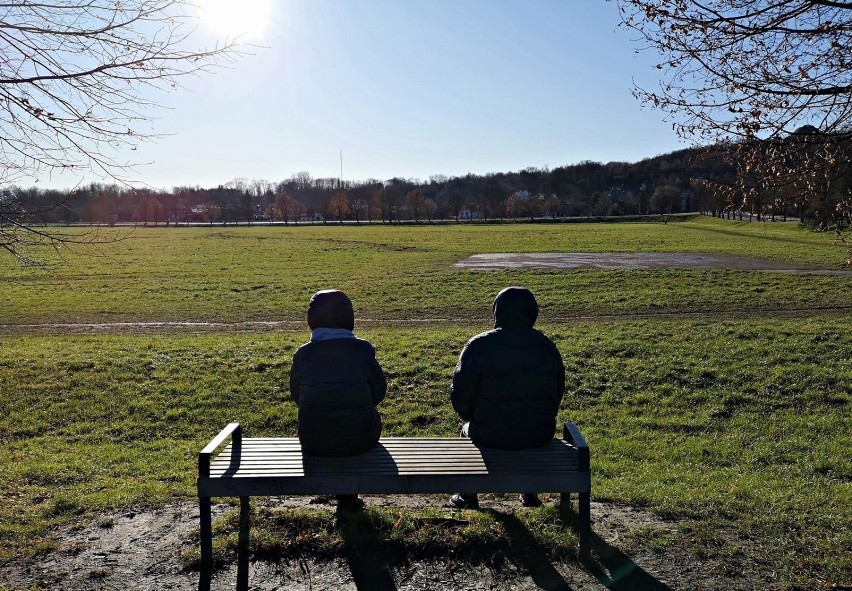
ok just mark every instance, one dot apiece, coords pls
pixel 525 551
pixel 378 459
pixel 236 455
pixel 363 550
pixel 372 559
pixel 613 568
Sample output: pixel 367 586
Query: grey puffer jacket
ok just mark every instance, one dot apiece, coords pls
pixel 509 381
pixel 337 384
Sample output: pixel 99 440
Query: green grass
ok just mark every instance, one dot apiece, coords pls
pixel 403 272
pixel 738 426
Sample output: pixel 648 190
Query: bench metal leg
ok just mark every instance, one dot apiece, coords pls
pixel 585 524
pixel 206 544
pixel 564 505
pixel 243 547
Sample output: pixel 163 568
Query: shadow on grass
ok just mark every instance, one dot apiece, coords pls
pixel 367 553
pixel 528 554
pixel 371 557
pixel 613 568
pixel 375 547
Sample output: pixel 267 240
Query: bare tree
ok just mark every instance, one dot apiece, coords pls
pixel 757 73
pixel 416 203
pixel 302 180
pixel 389 199
pixel 455 203
pixel 75 78
pixel 339 206
pixel 746 68
pixel 665 199
pixel 359 208
pixel 429 207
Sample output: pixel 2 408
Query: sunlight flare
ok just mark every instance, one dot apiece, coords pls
pixel 246 18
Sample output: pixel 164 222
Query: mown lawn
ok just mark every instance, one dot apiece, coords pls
pixel 726 407
pixel 404 272
pixel 738 425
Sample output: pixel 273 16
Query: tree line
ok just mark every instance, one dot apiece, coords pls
pixel 694 179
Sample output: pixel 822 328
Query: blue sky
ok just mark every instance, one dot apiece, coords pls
pixel 411 89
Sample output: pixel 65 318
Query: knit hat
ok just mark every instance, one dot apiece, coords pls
pixel 331 308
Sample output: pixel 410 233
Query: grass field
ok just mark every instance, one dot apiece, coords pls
pixel 740 427
pixel 403 272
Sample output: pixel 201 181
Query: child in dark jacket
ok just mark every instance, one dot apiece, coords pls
pixel 508 383
pixel 336 383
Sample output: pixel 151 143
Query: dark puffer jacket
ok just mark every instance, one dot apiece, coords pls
pixel 509 381
pixel 336 382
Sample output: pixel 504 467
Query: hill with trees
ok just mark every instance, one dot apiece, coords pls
pixel 693 179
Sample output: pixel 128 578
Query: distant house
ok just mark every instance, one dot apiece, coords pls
pixel 311 217
pixel 465 214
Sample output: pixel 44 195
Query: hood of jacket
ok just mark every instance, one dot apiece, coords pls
pixel 331 308
pixel 515 307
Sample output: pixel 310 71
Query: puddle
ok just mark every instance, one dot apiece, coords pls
pixel 634 260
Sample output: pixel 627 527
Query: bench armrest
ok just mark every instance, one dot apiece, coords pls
pixel 233 430
pixel 572 434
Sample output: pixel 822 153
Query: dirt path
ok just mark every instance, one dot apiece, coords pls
pixel 551 260
pixel 252 326
pixel 140 549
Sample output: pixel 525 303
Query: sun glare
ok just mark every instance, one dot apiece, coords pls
pixel 236 18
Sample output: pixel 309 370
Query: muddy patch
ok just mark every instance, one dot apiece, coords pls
pixel 140 549
pixel 633 260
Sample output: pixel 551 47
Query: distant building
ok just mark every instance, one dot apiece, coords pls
pixel 465 214
pixel 686 200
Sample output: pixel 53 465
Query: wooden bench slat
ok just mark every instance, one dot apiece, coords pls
pixel 387 467
pixel 561 463
pixel 445 444
pixel 332 473
pixel 565 455
pixel 513 463
pixel 296 473
pixel 392 455
pixel 396 483
pixel 436 451
pixel 268 466
pixel 448 444
pixel 558 459
pixel 396 440
pixel 458 448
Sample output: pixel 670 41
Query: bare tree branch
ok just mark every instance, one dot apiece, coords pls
pixel 74 82
pixel 769 79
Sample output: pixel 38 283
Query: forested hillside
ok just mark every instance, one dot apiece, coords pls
pixel 692 179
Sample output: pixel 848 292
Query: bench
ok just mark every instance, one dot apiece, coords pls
pixel 274 466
